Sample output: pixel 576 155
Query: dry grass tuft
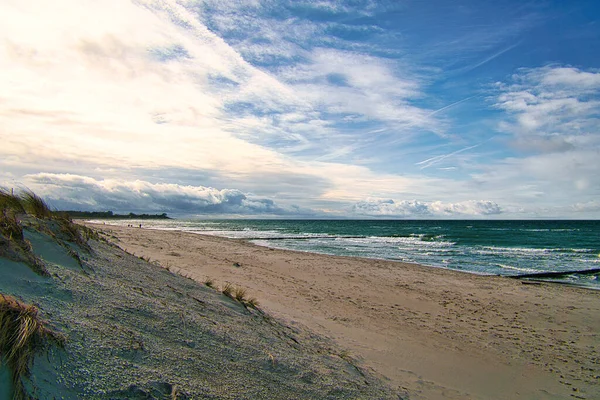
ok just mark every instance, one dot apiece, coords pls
pixel 13 211
pixel 228 290
pixel 13 244
pixel 210 282
pixel 22 334
pixel 10 226
pixel 73 232
pixel 35 205
pixel 240 294
pixel 251 302
pixel 10 201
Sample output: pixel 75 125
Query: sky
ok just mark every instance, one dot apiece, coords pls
pixel 304 109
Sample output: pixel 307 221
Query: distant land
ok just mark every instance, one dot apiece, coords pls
pixel 111 215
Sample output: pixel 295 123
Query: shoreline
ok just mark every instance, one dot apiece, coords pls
pixel 432 332
pixel 551 276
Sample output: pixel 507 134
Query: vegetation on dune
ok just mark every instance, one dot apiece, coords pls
pixel 34 205
pixel 238 294
pixel 22 334
pixel 13 244
pixel 228 290
pixel 209 282
pixel 10 203
pixel 15 208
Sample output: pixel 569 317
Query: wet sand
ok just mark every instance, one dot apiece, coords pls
pixel 433 333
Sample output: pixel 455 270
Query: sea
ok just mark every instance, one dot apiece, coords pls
pixel 489 247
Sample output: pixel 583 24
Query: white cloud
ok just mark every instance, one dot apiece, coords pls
pixel 552 109
pixel 552 114
pixel 67 191
pixel 420 209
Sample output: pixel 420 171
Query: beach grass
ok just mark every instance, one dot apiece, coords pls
pixel 19 208
pixel 252 302
pixel 239 294
pixel 209 282
pixel 35 205
pixel 10 226
pixel 13 244
pixel 22 334
pixel 228 289
pixel 10 202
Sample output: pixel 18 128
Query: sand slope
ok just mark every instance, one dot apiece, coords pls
pixel 435 334
pixel 135 330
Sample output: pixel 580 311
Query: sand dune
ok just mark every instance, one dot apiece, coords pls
pixel 133 330
pixel 433 333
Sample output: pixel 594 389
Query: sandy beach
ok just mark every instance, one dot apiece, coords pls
pixel 432 333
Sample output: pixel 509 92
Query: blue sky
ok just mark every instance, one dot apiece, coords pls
pixel 359 109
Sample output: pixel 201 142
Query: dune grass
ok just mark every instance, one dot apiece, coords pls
pixel 239 294
pixel 227 290
pixel 19 207
pixel 22 335
pixel 10 202
pixel 35 205
pixel 13 244
pixel 210 282
pixel 10 226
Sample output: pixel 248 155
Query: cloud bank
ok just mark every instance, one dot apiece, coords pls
pixel 419 209
pixel 75 192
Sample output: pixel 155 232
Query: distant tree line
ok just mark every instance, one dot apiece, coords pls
pixel 111 215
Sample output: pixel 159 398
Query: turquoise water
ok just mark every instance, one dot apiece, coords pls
pixel 483 247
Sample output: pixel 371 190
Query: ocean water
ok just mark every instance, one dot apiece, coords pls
pixel 481 247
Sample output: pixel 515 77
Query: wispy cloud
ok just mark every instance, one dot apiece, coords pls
pixel 552 108
pixel 434 160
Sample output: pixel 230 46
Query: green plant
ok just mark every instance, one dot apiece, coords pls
pixel 22 334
